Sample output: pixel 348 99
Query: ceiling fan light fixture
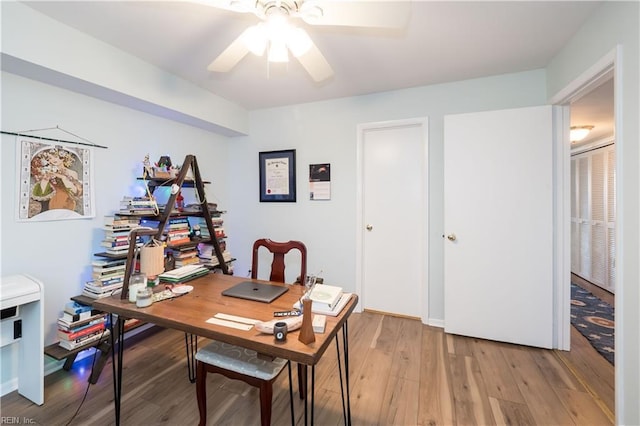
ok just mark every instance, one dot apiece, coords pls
pixel 278 51
pixel 255 38
pixel 578 133
pixel 277 25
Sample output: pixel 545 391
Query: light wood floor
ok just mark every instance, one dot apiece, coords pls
pixel 402 373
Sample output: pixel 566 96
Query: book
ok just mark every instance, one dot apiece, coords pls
pixel 100 294
pixel 102 288
pixel 72 325
pixel 183 274
pixel 107 263
pixel 115 220
pixel 74 307
pixel 76 317
pixel 323 310
pixel 325 294
pixel 104 282
pixel 84 331
pixel 105 270
pixel 115 243
pixel 85 341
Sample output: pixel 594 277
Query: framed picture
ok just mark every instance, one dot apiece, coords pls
pixel 278 176
pixel 55 181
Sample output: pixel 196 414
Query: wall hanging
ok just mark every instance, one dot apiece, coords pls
pixel 55 180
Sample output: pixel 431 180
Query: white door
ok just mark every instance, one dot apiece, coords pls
pixel 393 223
pixel 498 213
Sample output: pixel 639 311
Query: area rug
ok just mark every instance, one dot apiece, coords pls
pixel 594 319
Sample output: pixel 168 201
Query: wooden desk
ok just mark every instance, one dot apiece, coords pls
pixel 190 312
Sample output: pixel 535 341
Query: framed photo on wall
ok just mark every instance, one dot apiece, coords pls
pixel 278 176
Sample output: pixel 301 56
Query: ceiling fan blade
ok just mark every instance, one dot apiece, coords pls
pixel 355 13
pixel 242 6
pixel 230 56
pixel 316 65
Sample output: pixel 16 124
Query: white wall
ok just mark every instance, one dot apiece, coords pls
pixel 617 24
pixel 326 132
pixel 59 253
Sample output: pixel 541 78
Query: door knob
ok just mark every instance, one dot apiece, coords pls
pixel 451 237
pixel 369 227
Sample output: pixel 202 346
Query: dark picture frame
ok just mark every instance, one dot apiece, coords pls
pixel 278 176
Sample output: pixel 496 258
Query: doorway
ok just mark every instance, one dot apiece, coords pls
pixel 391 252
pixel 602 71
pixel 593 178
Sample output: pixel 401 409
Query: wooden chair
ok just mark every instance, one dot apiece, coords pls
pixel 238 363
pixel 279 250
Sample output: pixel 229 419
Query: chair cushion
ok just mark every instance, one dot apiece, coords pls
pixel 241 360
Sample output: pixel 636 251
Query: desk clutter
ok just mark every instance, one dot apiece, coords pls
pixel 325 299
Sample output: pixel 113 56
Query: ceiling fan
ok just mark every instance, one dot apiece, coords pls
pixel 277 33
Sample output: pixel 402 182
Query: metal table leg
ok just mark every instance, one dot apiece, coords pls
pixel 346 408
pixel 117 340
pixel 191 343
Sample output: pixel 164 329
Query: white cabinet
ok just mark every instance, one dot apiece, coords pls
pixel 23 311
pixel 593 209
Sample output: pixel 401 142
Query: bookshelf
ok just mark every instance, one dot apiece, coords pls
pixel 181 181
pixel 163 218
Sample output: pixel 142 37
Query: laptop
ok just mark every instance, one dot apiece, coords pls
pixel 258 292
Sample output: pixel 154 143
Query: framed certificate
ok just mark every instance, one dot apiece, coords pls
pixel 278 176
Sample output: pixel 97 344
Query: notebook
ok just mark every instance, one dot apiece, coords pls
pixel 258 292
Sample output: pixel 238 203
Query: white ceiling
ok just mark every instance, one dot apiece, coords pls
pixel 444 41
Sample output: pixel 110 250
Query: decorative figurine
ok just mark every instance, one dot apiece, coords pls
pixel 147 169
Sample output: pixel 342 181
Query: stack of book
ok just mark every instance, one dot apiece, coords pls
pixel 208 257
pixel 107 278
pixel 117 231
pixel 138 206
pixel 183 274
pixel 178 231
pixel 81 326
pixel 186 255
pixel 117 223
pixel 327 299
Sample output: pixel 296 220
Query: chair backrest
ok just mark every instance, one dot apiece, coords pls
pixel 279 250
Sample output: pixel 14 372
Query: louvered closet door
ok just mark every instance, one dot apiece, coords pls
pixel 593 213
pixel 584 227
pixel 575 225
pixel 611 220
pixel 598 215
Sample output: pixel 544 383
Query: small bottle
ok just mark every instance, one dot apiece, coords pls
pixel 180 201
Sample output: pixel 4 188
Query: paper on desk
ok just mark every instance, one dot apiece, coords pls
pixel 235 318
pixel 230 324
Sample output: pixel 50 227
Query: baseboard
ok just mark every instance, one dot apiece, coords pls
pixel 436 323
pixel 8 386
